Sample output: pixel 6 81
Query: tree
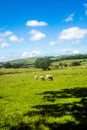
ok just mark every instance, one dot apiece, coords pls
pixel 75 63
pixel 7 65
pixel 43 63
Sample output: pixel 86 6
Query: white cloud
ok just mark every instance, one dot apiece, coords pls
pixel 69 18
pixel 32 54
pixel 52 43
pixel 69 51
pixel 73 33
pixel 3 58
pixel 35 53
pixel 3 45
pixel 76 52
pixel 6 34
pixel 14 38
pixel 35 23
pixel 36 35
pixel 25 55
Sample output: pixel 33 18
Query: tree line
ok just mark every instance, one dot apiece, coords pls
pixel 45 62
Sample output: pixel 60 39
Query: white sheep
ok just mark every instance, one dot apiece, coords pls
pixel 49 77
pixel 34 73
pixel 36 77
pixel 42 78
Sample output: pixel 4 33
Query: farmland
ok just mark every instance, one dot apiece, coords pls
pixel 29 104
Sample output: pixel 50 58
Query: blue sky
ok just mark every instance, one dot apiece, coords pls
pixel 42 27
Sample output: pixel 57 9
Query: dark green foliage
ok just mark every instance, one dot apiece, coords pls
pixel 43 63
pixel 69 57
pixel 61 65
pixel 7 65
pixel 75 63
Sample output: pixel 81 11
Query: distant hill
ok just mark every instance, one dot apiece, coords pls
pixel 28 62
pixel 70 57
pixel 25 61
pixel 53 58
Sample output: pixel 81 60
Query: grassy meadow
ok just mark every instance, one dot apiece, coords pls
pixel 29 104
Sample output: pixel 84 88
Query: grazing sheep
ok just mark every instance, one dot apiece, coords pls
pixel 36 77
pixel 49 77
pixel 34 73
pixel 42 78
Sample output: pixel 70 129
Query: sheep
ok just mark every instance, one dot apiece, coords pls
pixel 42 78
pixel 36 77
pixel 49 77
pixel 34 73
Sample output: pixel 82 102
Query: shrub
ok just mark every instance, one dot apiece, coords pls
pixel 75 63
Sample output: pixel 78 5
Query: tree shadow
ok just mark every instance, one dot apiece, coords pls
pixel 77 92
pixel 1 97
pixel 78 110
pixel 21 126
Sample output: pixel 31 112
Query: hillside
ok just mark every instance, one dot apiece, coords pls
pixel 28 62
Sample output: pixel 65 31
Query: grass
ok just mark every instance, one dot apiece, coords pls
pixel 29 104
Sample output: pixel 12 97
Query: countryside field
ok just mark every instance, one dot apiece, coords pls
pixel 29 104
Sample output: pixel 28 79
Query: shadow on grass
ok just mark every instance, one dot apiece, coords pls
pixel 1 97
pixel 78 110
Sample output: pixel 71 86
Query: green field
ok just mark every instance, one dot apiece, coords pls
pixel 29 104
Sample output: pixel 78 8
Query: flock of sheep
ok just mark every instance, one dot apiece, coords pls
pixel 47 77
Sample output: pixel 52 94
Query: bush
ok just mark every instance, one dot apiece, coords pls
pixel 43 63
pixel 75 63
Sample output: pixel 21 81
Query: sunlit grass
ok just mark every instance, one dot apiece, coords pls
pixel 25 102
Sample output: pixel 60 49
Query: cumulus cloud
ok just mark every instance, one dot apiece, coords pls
pixel 25 55
pixel 32 54
pixel 76 52
pixel 35 53
pixel 14 38
pixel 3 45
pixel 69 18
pixel 6 33
pixel 52 43
pixel 3 58
pixel 73 33
pixel 69 51
pixel 33 23
pixel 36 35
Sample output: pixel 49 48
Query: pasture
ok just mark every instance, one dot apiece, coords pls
pixel 29 104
